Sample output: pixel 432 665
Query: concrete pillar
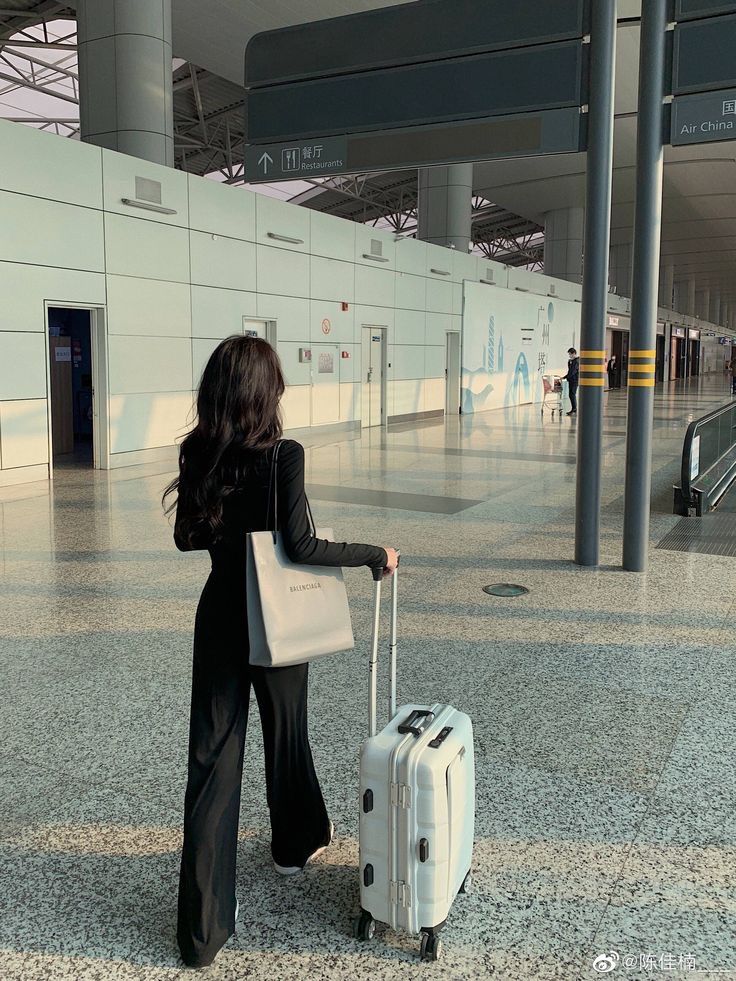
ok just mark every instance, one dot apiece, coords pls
pixel 705 305
pixel 125 77
pixel 715 307
pixel 667 285
pixel 619 272
pixel 444 206
pixel 564 232
pixel 691 301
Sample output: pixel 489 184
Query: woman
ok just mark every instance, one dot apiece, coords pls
pixel 223 493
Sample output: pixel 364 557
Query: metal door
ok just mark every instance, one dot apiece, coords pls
pixel 374 374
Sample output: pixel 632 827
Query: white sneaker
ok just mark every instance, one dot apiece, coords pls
pixel 294 869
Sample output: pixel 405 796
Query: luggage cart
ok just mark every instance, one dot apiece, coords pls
pixel 552 399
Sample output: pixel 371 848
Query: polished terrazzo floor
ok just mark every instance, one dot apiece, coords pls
pixel 603 705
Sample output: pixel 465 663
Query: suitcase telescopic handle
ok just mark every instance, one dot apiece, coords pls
pixel 373 703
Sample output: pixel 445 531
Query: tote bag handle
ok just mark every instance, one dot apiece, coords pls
pixel 273 496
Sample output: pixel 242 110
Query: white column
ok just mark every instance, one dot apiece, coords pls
pixel 667 285
pixel 619 272
pixel 125 77
pixel 444 206
pixel 564 232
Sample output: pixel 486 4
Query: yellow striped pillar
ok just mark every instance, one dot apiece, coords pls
pixel 594 299
pixel 644 285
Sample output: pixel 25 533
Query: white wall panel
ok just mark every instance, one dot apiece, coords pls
pixel 219 208
pixel 24 289
pixel 341 323
pixel 140 422
pixel 411 292
pixel 457 299
pixel 406 397
pixel 376 287
pixel 45 166
pixel 290 313
pixel 434 390
pixel 492 271
pixel 219 313
pixel 22 366
pixel 24 437
pixel 365 239
pixel 332 237
pixel 464 266
pixel 119 171
pixel 149 364
pixel 47 233
pixel 411 256
pixel 435 359
pixel 437 326
pixel 146 249
pixel 202 348
pixel 148 306
pixel 280 271
pixel 368 316
pixel 224 262
pixel 296 407
pixel 410 327
pixel 274 217
pixel 332 280
pixel 407 361
pixel 439 295
pixel 295 373
pixel 439 258
pixel 349 401
pixel 350 368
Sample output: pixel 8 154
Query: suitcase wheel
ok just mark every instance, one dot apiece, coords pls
pixel 467 885
pixel 364 926
pixel 431 947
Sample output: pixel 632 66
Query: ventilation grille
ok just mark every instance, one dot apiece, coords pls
pixel 376 246
pixel 489 274
pixel 147 190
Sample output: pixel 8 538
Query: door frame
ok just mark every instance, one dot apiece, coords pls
pixel 384 374
pixel 271 327
pixel 100 381
pixel 448 335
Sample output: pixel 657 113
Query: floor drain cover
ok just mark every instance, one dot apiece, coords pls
pixel 505 589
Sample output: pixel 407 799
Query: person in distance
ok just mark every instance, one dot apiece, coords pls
pixel 222 494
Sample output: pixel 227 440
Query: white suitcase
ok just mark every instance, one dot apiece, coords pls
pixel 417 810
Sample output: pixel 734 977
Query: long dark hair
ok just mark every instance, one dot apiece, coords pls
pixel 237 411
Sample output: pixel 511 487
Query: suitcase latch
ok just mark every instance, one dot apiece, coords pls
pixel 401 894
pixel 400 795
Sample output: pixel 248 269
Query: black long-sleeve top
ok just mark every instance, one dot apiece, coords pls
pixel 247 509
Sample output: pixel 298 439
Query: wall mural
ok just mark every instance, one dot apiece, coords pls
pixel 510 340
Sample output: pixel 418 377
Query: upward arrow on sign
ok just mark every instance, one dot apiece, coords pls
pixel 265 160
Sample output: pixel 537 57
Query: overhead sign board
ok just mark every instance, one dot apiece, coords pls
pixel 525 79
pixel 694 9
pixel 405 34
pixel 522 135
pixel 705 54
pixel 707 117
pixel 381 79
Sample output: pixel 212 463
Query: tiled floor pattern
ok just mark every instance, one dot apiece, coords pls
pixel 603 705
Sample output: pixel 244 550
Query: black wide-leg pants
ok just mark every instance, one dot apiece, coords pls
pixel 221 683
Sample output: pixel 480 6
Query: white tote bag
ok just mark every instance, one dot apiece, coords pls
pixel 296 613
